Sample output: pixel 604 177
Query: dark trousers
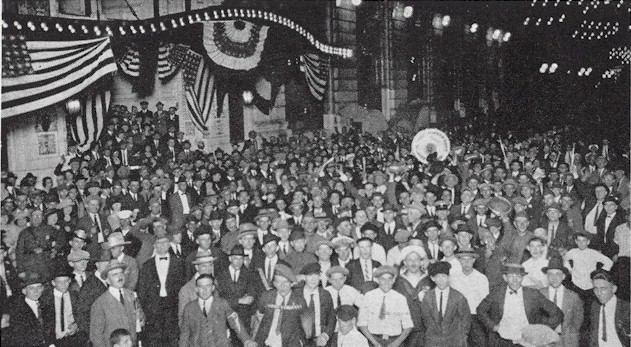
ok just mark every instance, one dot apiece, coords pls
pixel 477 333
pixel 161 328
pixel 495 340
pixel 72 341
pixel 416 338
pixel 385 342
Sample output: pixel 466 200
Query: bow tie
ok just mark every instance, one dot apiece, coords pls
pixel 163 258
pixel 511 292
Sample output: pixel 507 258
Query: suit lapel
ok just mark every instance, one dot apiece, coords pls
pixel 450 306
pixel 433 305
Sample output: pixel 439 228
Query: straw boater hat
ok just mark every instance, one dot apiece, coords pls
pixel 112 265
pixel 116 239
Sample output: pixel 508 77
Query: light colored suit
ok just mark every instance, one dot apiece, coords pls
pixel 108 314
pixel 200 331
pixel 187 294
pixel 572 307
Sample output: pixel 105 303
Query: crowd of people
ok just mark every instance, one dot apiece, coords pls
pixel 316 240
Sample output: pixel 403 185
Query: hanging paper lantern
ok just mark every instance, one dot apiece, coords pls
pixel 235 44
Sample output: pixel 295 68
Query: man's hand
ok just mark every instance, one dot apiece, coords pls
pixel 322 339
pixel 246 300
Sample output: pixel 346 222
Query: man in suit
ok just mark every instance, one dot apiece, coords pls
pixel 465 208
pixel 320 304
pixel 606 227
pixel 91 290
pixel 145 114
pixel 159 283
pixel 247 211
pixel 594 208
pixel 361 269
pixel 432 245
pixel 27 315
pixel 445 311
pixel 79 262
pixel 204 320
pixel 282 318
pixel 609 316
pixel 180 204
pixel 203 238
pixel 385 237
pixel 236 284
pixel 95 224
pixel 568 301
pixel 508 309
pixel 559 234
pixel 204 264
pixel 116 308
pixel 116 245
pixel 63 304
pixel 133 200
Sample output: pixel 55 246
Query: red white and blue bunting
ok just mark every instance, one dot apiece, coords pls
pixel 235 44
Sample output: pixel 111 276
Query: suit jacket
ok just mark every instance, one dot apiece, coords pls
pixel 603 241
pixel 86 223
pixel 247 216
pixel 539 310
pixel 177 209
pixel 455 212
pixel 149 286
pixel 296 323
pixel 453 328
pixel 26 329
pixel 623 326
pixel 572 307
pixel 200 331
pixel 91 290
pixel 564 237
pixel 327 313
pixel 128 203
pixel 108 314
pixel 356 276
pixel 387 241
pixel 232 292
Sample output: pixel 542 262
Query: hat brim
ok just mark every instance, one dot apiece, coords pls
pixel 118 244
pixel 246 233
pixel 107 271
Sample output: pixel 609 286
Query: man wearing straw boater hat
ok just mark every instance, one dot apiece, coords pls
pixel 508 309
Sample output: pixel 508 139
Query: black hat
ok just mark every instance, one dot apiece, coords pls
pixel 237 250
pixel 602 274
pixel 431 224
pixel 369 226
pixel 297 234
pixel 215 215
pixel 269 238
pixel 144 102
pixel 310 269
pixel 63 270
pixel 92 184
pixel 203 229
pixel 555 263
pixel 28 278
pixel 345 313
pixel 464 228
pixel 440 267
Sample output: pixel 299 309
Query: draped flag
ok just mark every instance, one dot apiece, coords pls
pixel 316 71
pixel 86 127
pixel 199 85
pixel 235 44
pixel 42 73
pixel 130 62
pixel 166 69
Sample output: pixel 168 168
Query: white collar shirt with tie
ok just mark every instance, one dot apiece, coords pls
pixel 234 274
pixel 80 278
pixel 390 227
pixel 366 269
pixel 177 248
pixel 481 220
pixel 608 221
pixel 270 263
pixel 162 266
pixel 185 206
pixel 552 231
pixel 204 305
pixel 67 313
pixel 315 294
pixel 445 295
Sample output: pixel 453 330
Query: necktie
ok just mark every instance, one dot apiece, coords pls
pixel 122 298
pixel 339 299
pixel 269 270
pixel 235 276
pixel 555 296
pixel 62 313
pixel 280 317
pixel 178 250
pixel 464 209
pixel 312 310
pixel 440 309
pixel 602 309
pixel 96 223
pixel 366 271
pixel 382 310
pixel 39 313
pixel 204 310
pixel 597 213
pixel 480 221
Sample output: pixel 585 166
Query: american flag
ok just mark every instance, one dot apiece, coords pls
pixel 38 74
pixel 130 62
pixel 316 71
pixel 166 68
pixel 86 127
pixel 199 84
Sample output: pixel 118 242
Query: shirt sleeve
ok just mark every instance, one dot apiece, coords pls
pixel 362 316
pixel 406 317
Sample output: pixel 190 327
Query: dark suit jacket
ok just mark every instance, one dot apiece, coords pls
pixel 295 324
pixel 539 310
pixel 86 223
pixel 128 203
pixel 327 313
pixel 200 331
pixel 248 215
pixel 176 208
pixel 623 325
pixel 572 307
pixel 387 241
pixel 91 290
pixel 603 241
pixel 564 237
pixel 26 329
pixel 453 328
pixel 149 286
pixel 356 276
pixel 232 292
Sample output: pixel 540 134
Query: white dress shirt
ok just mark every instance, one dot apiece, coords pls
pixel 316 306
pixel 535 277
pixel 162 266
pixel 559 300
pixel 591 218
pixel 397 312
pixel 186 209
pixel 610 317
pixel 445 295
pixel 273 339
pixel 514 317
pixel 474 287
pixel 68 317
pixel 348 295
pixel 33 305
pixel 353 339
pixel 270 263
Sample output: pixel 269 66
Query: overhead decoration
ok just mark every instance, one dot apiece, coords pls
pixel 264 95
pixel 37 74
pixel 129 63
pixel 86 125
pixel 316 70
pixel 166 69
pixel 199 85
pixel 162 24
pixel 235 44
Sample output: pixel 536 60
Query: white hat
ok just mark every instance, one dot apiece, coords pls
pixel 407 250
